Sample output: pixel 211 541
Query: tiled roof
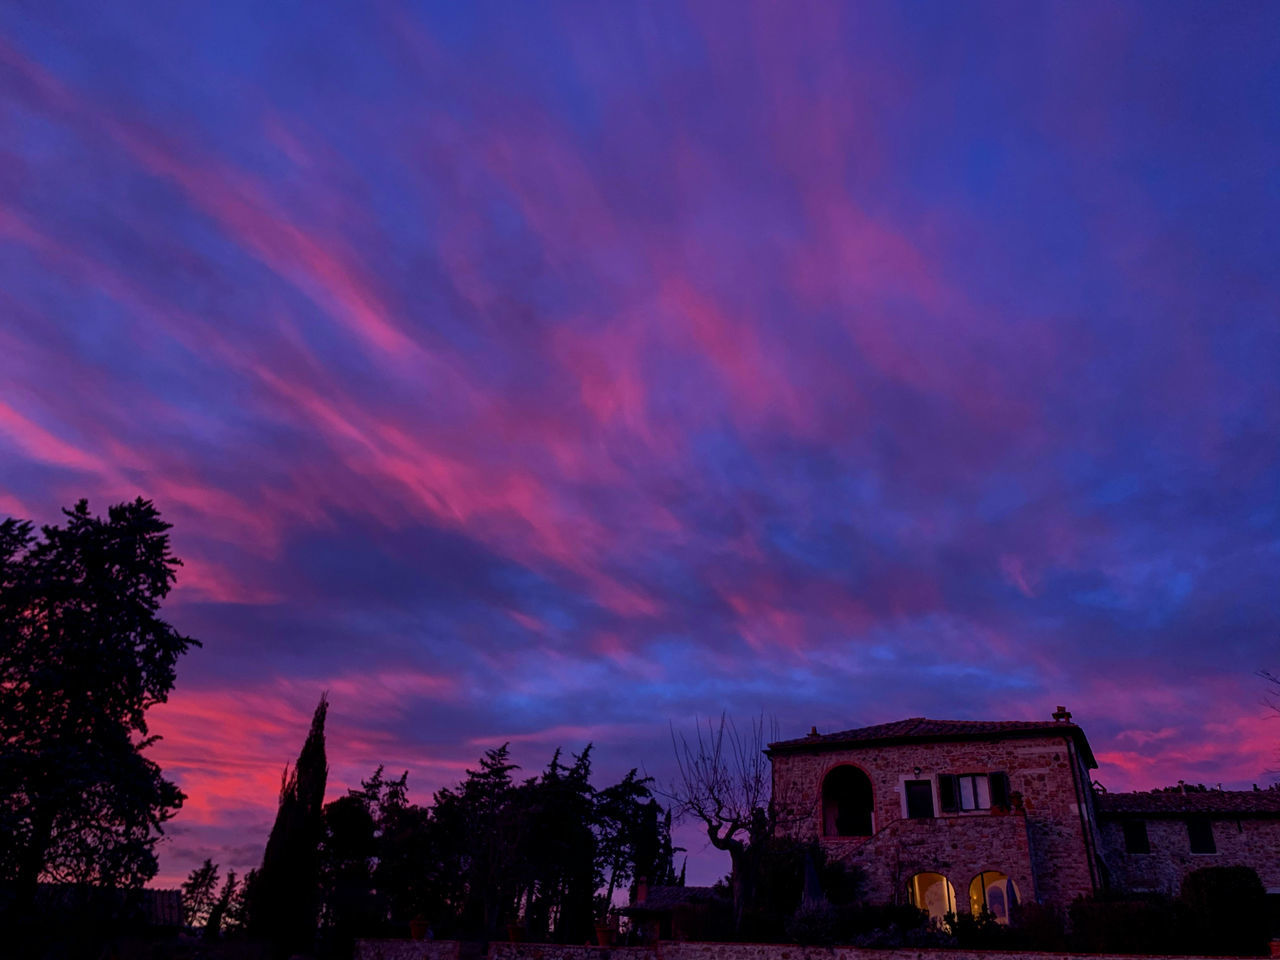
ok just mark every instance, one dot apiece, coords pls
pixel 1171 804
pixel 668 898
pixel 922 728
pixel 159 908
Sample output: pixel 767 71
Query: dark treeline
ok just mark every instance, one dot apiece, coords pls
pixel 546 854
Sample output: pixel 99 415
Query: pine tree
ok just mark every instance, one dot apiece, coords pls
pixel 222 907
pixel 198 892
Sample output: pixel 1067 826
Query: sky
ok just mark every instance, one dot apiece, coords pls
pixel 557 373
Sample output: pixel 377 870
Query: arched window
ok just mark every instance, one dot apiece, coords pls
pixel 846 803
pixel 995 892
pixel 933 893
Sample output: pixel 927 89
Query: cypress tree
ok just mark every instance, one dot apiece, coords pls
pixel 285 893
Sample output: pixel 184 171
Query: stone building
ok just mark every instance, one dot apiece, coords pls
pixel 964 815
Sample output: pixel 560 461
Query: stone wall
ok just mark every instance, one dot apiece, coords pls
pixel 407 949
pixel 367 950
pixel 1241 843
pixel 1049 854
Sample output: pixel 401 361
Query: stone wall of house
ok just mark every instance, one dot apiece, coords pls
pixel 1056 833
pixel 959 848
pixel 668 950
pixel 1241 843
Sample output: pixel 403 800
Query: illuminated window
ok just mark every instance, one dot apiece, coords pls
pixel 994 892
pixel 933 893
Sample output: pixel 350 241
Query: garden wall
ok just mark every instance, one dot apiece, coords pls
pixel 681 950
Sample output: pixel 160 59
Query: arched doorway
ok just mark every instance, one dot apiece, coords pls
pixel 933 893
pixel 995 892
pixel 846 803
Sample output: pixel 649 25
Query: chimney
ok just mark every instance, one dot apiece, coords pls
pixel 813 731
pixel 642 889
pixel 1062 715
pixel 1182 785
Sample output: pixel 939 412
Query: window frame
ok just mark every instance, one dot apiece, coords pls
pixel 953 787
pixel 1199 820
pixel 1132 825
pixel 972 781
pixel 906 798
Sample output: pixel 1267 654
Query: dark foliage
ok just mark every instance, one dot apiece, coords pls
pixel 83 656
pixel 1224 912
pixel 1124 924
pixel 222 907
pixel 284 898
pixel 889 925
pixel 1221 911
pixel 546 853
pixel 199 893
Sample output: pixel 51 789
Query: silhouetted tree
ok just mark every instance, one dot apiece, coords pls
pixel 1273 698
pixel 476 835
pixel 724 781
pixel 633 836
pixel 221 907
pixel 83 656
pixel 552 821
pixel 285 894
pixel 348 905
pixel 199 892
pixel 236 919
pixel 548 851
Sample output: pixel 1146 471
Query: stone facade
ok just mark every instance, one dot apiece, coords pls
pixel 1241 841
pixel 1049 831
pixel 1044 841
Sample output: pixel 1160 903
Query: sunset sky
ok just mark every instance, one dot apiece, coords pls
pixel 553 373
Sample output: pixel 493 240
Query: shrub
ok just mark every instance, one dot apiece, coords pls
pixel 819 925
pixel 979 931
pixel 1223 912
pixel 1133 924
pixel 1038 926
pixel 892 925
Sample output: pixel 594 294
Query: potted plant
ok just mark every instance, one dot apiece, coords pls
pixel 603 932
pixel 607 928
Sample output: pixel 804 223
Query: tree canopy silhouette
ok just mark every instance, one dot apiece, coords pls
pixel 548 852
pixel 83 655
